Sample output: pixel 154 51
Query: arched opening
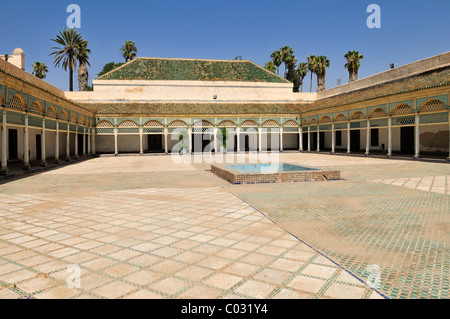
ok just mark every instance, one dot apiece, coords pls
pixel 291 137
pixel 248 136
pixel 228 144
pixel 340 127
pixel 154 141
pixel 434 129
pixel 202 136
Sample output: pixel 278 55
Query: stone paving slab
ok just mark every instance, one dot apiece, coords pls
pixel 157 229
pixel 158 243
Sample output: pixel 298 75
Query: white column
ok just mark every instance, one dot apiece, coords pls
pixel 216 131
pixel 116 149
pixel 76 142
pixel 57 144
pixel 259 139
pixel 309 138
pixel 68 142
pixel 141 141
pixel 26 154
pixel 300 142
pixel 318 139
pixel 238 146
pixel 166 135
pixel 4 167
pixel 190 140
pixel 389 136
pixel 333 139
pixel 348 139
pixel 417 135
pixel 43 152
pixel 368 138
pixel 281 139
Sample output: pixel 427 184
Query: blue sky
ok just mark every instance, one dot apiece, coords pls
pixel 221 29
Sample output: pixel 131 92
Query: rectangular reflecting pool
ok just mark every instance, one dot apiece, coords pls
pixel 272 173
pixel 269 168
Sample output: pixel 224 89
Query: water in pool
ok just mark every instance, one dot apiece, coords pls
pixel 269 168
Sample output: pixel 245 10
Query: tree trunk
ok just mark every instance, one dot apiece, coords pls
pixel 310 87
pixel 70 78
pixel 321 83
pixel 353 76
pixel 83 77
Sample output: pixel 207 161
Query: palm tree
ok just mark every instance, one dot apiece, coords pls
pixel 68 40
pixel 322 63
pixel 40 70
pixel 270 66
pixel 353 64
pixel 302 72
pixel 312 65
pixel 83 61
pixel 276 58
pixel 287 56
pixel 129 51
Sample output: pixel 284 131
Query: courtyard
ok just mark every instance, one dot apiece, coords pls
pixel 147 227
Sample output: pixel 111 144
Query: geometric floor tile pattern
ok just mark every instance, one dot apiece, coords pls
pixel 145 227
pixel 157 243
pixel 391 216
pixel 434 184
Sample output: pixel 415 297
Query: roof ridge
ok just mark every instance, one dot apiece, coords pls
pixel 194 59
pixel 271 73
pixel 410 76
pixel 126 63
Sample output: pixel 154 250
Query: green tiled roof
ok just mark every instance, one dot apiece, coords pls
pixel 192 70
pixel 430 79
pixel 196 108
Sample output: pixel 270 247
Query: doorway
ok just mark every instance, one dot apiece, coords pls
pixel 38 147
pixel 155 143
pixel 305 141
pixel 201 143
pixel 407 140
pixel 314 141
pixel 355 141
pixel 80 144
pixel 12 145
pixel 322 140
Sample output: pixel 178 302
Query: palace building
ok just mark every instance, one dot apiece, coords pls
pixel 146 104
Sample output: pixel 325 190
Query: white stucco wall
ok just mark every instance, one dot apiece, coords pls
pixel 113 90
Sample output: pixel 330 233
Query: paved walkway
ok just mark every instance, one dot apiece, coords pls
pixel 145 227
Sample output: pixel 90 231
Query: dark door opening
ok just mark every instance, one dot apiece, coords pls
pixel 355 141
pixel 322 140
pixel 305 141
pixel 80 144
pixel 38 147
pixel 12 145
pixel 247 143
pixel 154 143
pixel 407 140
pixel 201 143
pixel 338 138
pixel 314 141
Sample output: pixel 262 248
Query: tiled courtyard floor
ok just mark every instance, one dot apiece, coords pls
pixel 145 227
